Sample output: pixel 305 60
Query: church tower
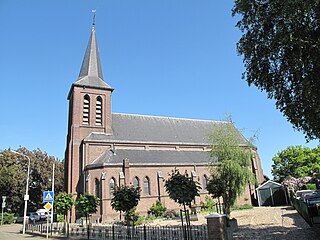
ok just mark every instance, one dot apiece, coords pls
pixel 89 111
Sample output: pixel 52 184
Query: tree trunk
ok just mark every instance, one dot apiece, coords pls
pixel 88 229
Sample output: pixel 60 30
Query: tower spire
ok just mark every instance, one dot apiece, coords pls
pixel 91 72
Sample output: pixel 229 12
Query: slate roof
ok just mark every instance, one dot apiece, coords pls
pixel 152 129
pixel 91 71
pixel 145 157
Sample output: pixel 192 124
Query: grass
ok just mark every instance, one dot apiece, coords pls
pixel 243 207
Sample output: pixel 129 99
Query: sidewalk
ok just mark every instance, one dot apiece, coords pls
pixel 12 232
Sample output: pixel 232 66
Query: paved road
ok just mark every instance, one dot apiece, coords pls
pixel 12 232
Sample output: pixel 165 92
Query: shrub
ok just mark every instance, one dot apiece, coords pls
pixel 132 218
pixel 209 204
pixel 311 186
pixel 8 218
pixel 171 214
pixel 157 209
pixel 60 218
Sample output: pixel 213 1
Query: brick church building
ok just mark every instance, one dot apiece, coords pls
pixel 106 149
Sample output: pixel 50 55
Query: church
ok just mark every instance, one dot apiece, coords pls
pixel 105 149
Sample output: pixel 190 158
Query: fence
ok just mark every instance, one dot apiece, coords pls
pixel 120 232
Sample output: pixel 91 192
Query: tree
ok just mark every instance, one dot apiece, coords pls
pixel 87 204
pixel 13 175
pixel 63 203
pixel 125 199
pixel 281 53
pixel 230 168
pixel 295 161
pixel 181 188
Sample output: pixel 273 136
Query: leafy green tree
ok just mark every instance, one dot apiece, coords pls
pixel 295 161
pixel 181 188
pixel 125 199
pixel 230 168
pixel 87 204
pixel 13 175
pixel 280 46
pixel 63 203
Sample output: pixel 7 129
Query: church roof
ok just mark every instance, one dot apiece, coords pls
pixel 145 157
pixel 152 129
pixel 91 71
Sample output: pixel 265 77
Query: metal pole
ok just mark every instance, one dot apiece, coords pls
pixel 3 206
pixel 26 196
pixel 53 192
pixel 2 216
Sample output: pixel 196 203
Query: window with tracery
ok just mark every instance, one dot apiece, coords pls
pixel 97 188
pixel 112 186
pixel 146 186
pixel 136 182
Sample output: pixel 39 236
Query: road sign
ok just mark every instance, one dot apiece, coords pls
pixel 48 206
pixel 48 196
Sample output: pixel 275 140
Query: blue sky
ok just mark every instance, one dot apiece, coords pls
pixel 163 57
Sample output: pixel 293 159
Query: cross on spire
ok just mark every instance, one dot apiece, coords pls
pixel 94 17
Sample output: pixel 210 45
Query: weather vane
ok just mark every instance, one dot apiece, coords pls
pixel 94 17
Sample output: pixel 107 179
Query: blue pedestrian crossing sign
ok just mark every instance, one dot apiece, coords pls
pixel 48 196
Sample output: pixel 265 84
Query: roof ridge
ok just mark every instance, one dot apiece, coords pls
pixel 177 118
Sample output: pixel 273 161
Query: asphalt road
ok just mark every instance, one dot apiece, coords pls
pixel 12 232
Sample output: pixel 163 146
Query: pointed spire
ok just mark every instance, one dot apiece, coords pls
pixel 91 71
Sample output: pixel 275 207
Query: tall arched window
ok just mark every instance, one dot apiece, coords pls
pixel 136 182
pixel 97 188
pixel 146 186
pixel 99 111
pixel 204 182
pixel 86 110
pixel 112 186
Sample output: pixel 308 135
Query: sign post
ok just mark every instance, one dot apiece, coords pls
pixel 3 206
pixel 48 198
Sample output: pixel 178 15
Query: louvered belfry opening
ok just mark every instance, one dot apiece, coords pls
pixel 99 111
pixel 86 110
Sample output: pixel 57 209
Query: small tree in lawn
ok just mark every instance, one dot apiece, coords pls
pixel 86 205
pixel 125 199
pixel 231 173
pixel 63 204
pixel 181 188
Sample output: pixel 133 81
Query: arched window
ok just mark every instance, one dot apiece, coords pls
pixel 136 182
pixel 97 188
pixel 204 182
pixel 86 110
pixel 112 186
pixel 146 186
pixel 99 111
